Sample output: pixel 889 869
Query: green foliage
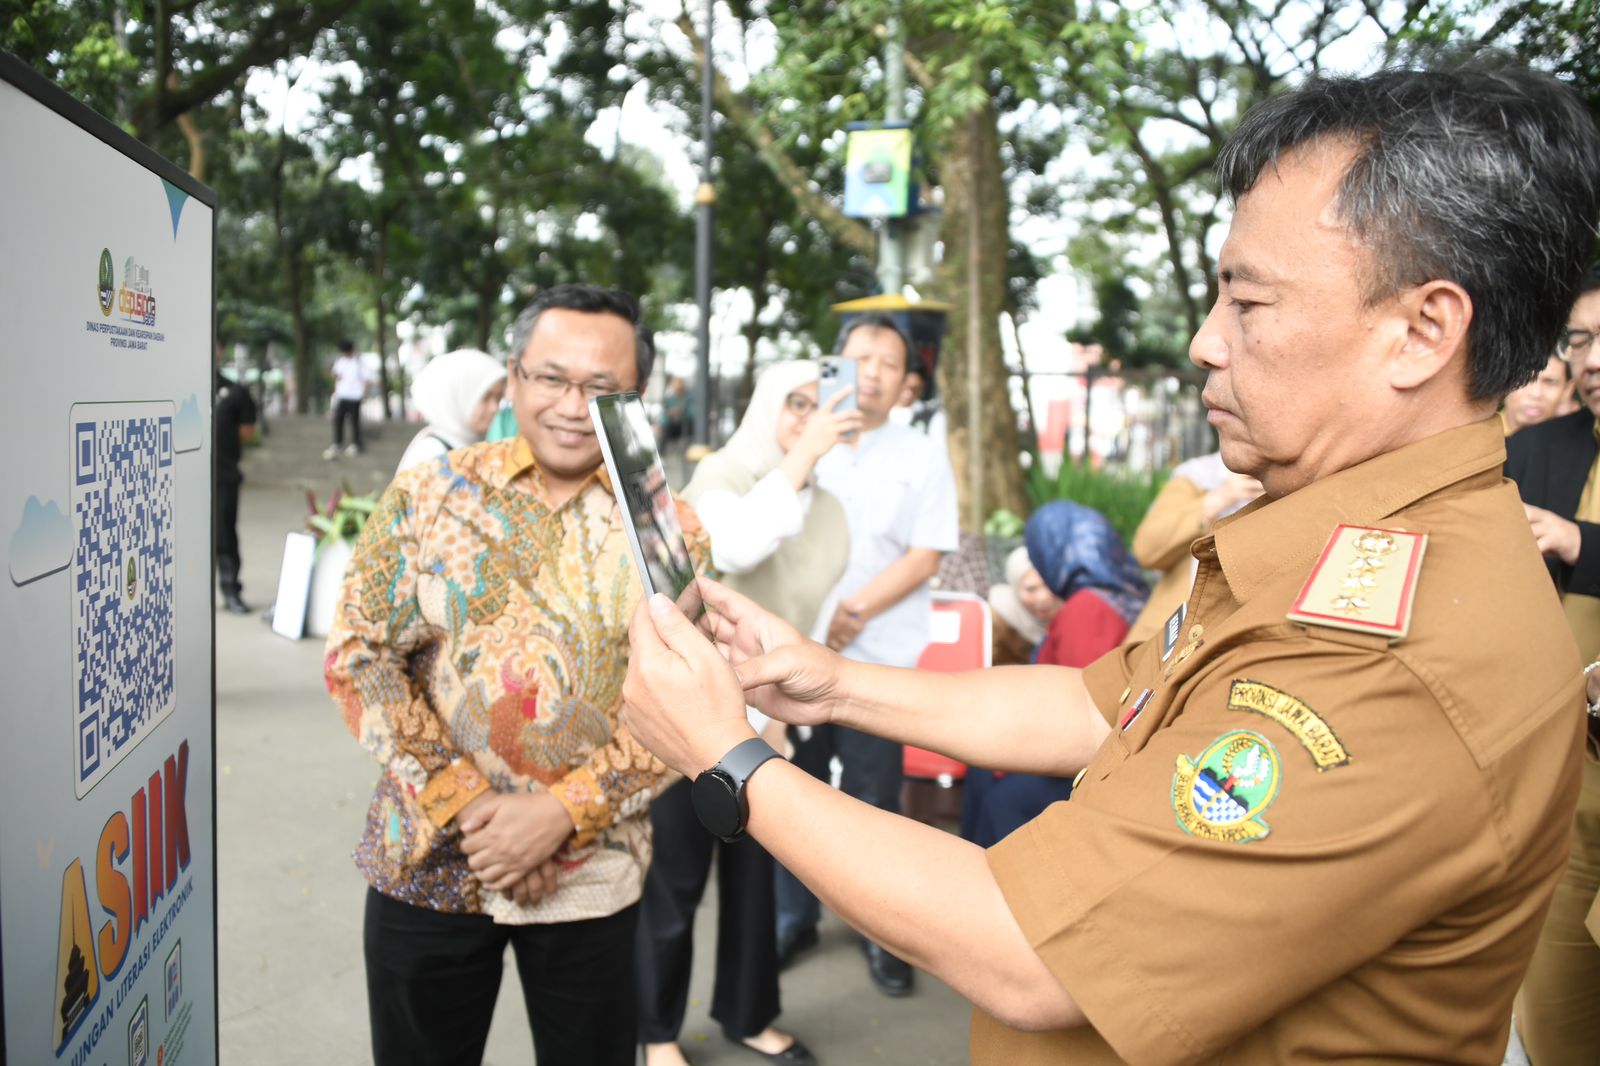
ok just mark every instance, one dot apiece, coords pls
pixel 1122 497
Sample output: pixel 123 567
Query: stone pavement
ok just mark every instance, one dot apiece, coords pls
pixel 292 790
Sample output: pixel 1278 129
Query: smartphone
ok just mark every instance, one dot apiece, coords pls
pixel 650 517
pixel 835 373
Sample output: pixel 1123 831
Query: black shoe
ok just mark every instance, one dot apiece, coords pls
pixel 233 604
pixel 892 975
pixel 795 944
pixel 796 1054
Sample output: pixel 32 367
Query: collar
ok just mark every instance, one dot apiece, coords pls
pixel 1271 537
pixel 519 461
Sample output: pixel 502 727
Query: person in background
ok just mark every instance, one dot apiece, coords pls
pixel 478 655
pixel 1023 607
pixel 1092 591
pixel 349 389
pixel 783 542
pixel 920 407
pixel 1200 491
pixel 900 494
pixel 1541 399
pixel 458 395
pixel 1556 467
pixel 234 423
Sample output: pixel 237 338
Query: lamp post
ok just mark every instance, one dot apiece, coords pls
pixel 705 198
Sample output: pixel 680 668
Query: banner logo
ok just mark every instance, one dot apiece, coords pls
pixel 136 300
pixel 108 284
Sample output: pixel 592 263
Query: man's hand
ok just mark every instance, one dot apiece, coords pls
pixel 848 621
pixel 508 835
pixel 1556 536
pixel 541 884
pixel 784 675
pixel 680 698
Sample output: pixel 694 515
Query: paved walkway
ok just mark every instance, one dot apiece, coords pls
pixel 292 790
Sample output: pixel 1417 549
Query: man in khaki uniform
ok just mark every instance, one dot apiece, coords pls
pixel 1320 815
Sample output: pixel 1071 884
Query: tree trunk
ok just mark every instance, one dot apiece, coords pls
pixel 380 285
pixel 973 182
pixel 289 251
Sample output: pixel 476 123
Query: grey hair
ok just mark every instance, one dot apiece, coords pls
pixel 1487 176
pixel 595 300
pixel 874 320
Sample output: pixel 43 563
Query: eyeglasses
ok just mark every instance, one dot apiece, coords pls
pixel 799 404
pixel 555 387
pixel 1575 343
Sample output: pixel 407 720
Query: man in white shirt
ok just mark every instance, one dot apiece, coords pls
pixel 899 497
pixel 349 389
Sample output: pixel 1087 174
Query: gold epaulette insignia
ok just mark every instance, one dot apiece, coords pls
pixel 1365 581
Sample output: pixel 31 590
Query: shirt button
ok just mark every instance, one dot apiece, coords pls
pixel 1197 632
pixel 1124 697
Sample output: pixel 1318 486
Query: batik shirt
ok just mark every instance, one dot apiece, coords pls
pixel 481 644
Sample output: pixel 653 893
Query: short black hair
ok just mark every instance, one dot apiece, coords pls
pixel 594 300
pixel 874 320
pixel 347 346
pixel 1588 283
pixel 1486 175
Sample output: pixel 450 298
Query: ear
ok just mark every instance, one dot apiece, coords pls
pixel 1436 316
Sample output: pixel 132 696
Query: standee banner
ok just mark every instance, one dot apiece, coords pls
pixel 107 849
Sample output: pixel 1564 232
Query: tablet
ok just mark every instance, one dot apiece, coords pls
pixel 650 515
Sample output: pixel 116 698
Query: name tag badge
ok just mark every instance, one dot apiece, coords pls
pixel 1170 631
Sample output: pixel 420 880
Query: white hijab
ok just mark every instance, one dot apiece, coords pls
pixel 449 387
pixel 754 445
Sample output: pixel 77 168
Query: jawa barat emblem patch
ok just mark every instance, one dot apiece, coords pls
pixel 1221 794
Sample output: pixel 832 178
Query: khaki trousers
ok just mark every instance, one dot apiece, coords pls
pixel 1558 1009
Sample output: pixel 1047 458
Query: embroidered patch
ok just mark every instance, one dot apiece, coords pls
pixel 1308 727
pixel 1221 794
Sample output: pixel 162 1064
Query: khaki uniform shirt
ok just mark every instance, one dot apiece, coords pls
pixel 1408 805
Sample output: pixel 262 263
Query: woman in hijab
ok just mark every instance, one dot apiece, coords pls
pixel 457 394
pixel 1084 563
pixel 783 542
pixel 1023 609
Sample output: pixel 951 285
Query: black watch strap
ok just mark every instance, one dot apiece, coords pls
pixel 742 760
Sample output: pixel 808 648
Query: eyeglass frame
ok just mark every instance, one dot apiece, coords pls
pixel 1565 347
pixel 545 383
pixel 788 405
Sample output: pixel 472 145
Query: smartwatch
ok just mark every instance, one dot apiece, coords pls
pixel 717 795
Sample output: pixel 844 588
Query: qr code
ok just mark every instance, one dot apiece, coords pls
pixel 121 579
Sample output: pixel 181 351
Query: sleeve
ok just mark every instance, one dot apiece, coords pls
pixel 1083 630
pixel 746 530
pixel 937 524
pixel 374 635
pixel 1144 894
pixel 1170 526
pixel 1584 577
pixel 622 776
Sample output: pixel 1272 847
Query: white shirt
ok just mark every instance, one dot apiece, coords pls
pixel 746 530
pixel 898 493
pixel 349 378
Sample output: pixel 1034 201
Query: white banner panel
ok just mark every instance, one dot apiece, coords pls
pixel 107 857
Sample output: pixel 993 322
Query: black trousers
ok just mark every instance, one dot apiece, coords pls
pixel 347 409
pixel 432 980
pixel 744 999
pixel 227 505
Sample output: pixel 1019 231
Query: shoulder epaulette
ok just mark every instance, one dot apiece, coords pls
pixel 1364 581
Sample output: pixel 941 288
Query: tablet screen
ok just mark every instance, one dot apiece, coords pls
pixel 640 481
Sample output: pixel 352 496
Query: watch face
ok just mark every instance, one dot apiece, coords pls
pixel 715 803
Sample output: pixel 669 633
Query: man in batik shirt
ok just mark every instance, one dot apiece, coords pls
pixel 479 655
